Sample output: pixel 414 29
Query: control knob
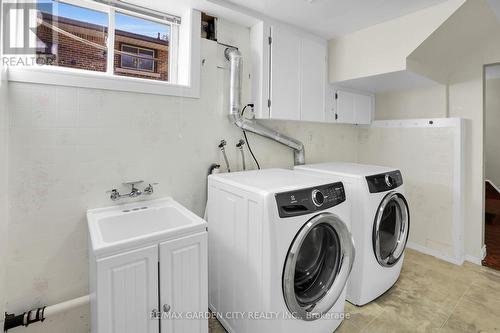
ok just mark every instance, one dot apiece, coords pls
pixel 318 198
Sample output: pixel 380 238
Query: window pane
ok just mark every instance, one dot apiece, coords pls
pixel 72 36
pixel 149 40
pixel 128 62
pixel 146 65
pixel 147 53
pixel 129 49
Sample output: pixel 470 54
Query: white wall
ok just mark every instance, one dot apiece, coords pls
pixel 464 89
pixel 4 128
pixel 426 157
pixel 492 131
pixel 466 97
pixel 68 146
pixel 441 53
pixel 429 102
pixel 383 48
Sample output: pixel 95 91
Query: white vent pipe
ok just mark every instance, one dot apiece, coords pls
pixel 251 125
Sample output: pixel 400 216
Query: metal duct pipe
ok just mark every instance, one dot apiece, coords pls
pixel 251 125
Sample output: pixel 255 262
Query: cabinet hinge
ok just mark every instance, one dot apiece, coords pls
pixel 336 116
pixel 336 96
pixel 268 103
pixel 270 39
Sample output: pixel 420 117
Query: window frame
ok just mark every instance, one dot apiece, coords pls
pixel 184 74
pixel 137 67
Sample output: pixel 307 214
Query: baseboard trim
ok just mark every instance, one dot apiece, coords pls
pixel 476 260
pixel 434 253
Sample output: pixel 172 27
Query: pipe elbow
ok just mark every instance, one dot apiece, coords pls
pixel 231 53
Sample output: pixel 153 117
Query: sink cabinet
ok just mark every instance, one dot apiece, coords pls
pixel 167 277
pixel 184 282
pixel 148 268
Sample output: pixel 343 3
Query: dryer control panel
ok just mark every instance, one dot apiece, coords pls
pixel 306 201
pixel 384 182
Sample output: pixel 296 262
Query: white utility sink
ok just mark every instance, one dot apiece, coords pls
pixel 130 225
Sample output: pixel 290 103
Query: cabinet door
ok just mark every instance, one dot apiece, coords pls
pixel 184 284
pixel 127 292
pixel 345 107
pixel 363 106
pixel 353 108
pixel 285 74
pixel 313 83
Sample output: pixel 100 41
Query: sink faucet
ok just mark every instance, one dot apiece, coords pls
pixel 134 191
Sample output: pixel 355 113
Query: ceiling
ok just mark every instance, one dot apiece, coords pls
pixel 333 18
pixel 389 82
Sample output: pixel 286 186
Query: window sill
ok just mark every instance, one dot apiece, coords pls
pixel 98 80
pixel 137 72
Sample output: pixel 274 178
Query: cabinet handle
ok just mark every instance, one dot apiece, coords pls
pixel 166 308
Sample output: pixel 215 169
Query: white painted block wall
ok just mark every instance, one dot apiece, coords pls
pixel 426 159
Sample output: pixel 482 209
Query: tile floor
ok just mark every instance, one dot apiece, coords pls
pixel 430 296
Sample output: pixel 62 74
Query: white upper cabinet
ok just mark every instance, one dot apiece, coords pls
pixel 289 79
pixel 285 73
pixel 289 73
pixel 352 107
pixel 313 81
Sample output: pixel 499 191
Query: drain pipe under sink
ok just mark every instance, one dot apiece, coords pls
pixel 40 314
pixel 251 125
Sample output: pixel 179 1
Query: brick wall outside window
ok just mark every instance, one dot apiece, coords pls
pixel 72 53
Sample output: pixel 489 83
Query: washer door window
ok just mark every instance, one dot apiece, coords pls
pixel 317 266
pixel 390 230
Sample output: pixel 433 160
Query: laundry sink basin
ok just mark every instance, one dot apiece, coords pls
pixel 130 225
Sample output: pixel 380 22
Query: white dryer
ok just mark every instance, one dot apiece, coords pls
pixel 280 251
pixel 380 225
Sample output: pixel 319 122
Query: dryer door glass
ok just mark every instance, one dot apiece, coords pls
pixel 390 230
pixel 317 266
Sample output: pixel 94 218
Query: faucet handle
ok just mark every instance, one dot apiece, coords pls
pixel 114 194
pixel 240 143
pixel 149 189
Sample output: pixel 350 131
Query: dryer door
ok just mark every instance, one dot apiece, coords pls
pixel 317 266
pixel 390 229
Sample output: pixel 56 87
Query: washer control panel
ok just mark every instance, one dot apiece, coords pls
pixel 384 182
pixel 306 201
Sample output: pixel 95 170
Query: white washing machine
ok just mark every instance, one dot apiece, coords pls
pixel 380 225
pixel 280 251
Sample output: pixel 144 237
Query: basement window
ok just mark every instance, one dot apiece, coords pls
pixel 106 39
pixel 142 48
pixel 71 36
